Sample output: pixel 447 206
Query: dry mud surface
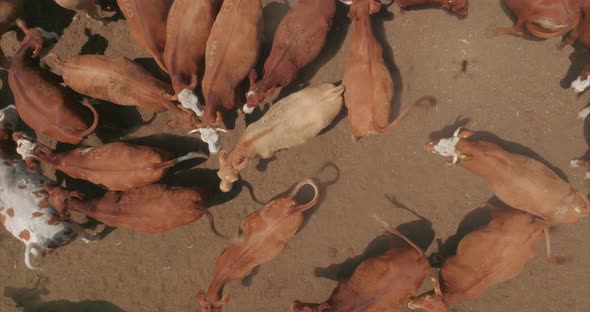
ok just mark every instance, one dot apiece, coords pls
pixel 511 87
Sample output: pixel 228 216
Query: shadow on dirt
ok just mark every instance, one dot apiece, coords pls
pixel 29 300
pixel 418 231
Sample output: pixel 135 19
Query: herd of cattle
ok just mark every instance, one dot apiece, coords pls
pixel 208 48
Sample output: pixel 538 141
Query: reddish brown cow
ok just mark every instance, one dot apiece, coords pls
pixel 519 181
pixel 459 7
pixel 543 18
pixel 299 39
pixel 232 51
pixel 263 235
pixel 135 165
pixel 188 28
pixel 367 81
pixel 115 79
pixel 378 284
pixel 147 25
pixel 149 209
pixel 485 257
pixel 582 32
pixel 41 102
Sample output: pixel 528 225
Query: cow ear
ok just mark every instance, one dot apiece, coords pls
pixel 222 156
pixel 375 6
pixel 437 289
pixel 252 76
pixel 271 91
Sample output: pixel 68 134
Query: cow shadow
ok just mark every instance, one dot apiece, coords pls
pixel 96 43
pixel 117 121
pixel 29 300
pixel 472 221
pixel 48 15
pixel 111 6
pixel 420 232
pixel 431 6
pixel 378 23
pixel 207 180
pixel 377 247
pixel 149 64
pixel 178 145
pixel 579 58
pixel 323 179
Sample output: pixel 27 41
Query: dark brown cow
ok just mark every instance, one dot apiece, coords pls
pixel 299 39
pixel 41 102
pixel 485 257
pixel 116 166
pixel 147 25
pixel 381 283
pixel 543 18
pixel 148 209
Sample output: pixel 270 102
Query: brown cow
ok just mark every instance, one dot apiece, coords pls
pixel 582 32
pixel 41 102
pixel 459 7
pixel 115 79
pixel 10 10
pixel 543 18
pixel 188 28
pixel 263 235
pixel 519 181
pixel 232 51
pixel 490 255
pixel 116 166
pixel 148 209
pixel 367 81
pixel 381 283
pixel 299 39
pixel 147 25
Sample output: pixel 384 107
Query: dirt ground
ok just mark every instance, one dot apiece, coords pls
pixel 511 87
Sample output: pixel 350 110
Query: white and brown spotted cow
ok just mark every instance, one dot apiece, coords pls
pixel 24 207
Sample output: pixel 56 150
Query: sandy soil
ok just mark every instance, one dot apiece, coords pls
pixel 511 87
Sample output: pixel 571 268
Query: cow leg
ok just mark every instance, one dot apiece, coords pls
pixel 569 39
pixel 516 30
pixel 552 259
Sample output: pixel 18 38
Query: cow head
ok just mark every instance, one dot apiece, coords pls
pixel 459 7
pixel 431 302
pixel 209 305
pixel 448 147
pixel 227 172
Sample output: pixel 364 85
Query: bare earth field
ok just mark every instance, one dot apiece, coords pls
pixel 512 87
